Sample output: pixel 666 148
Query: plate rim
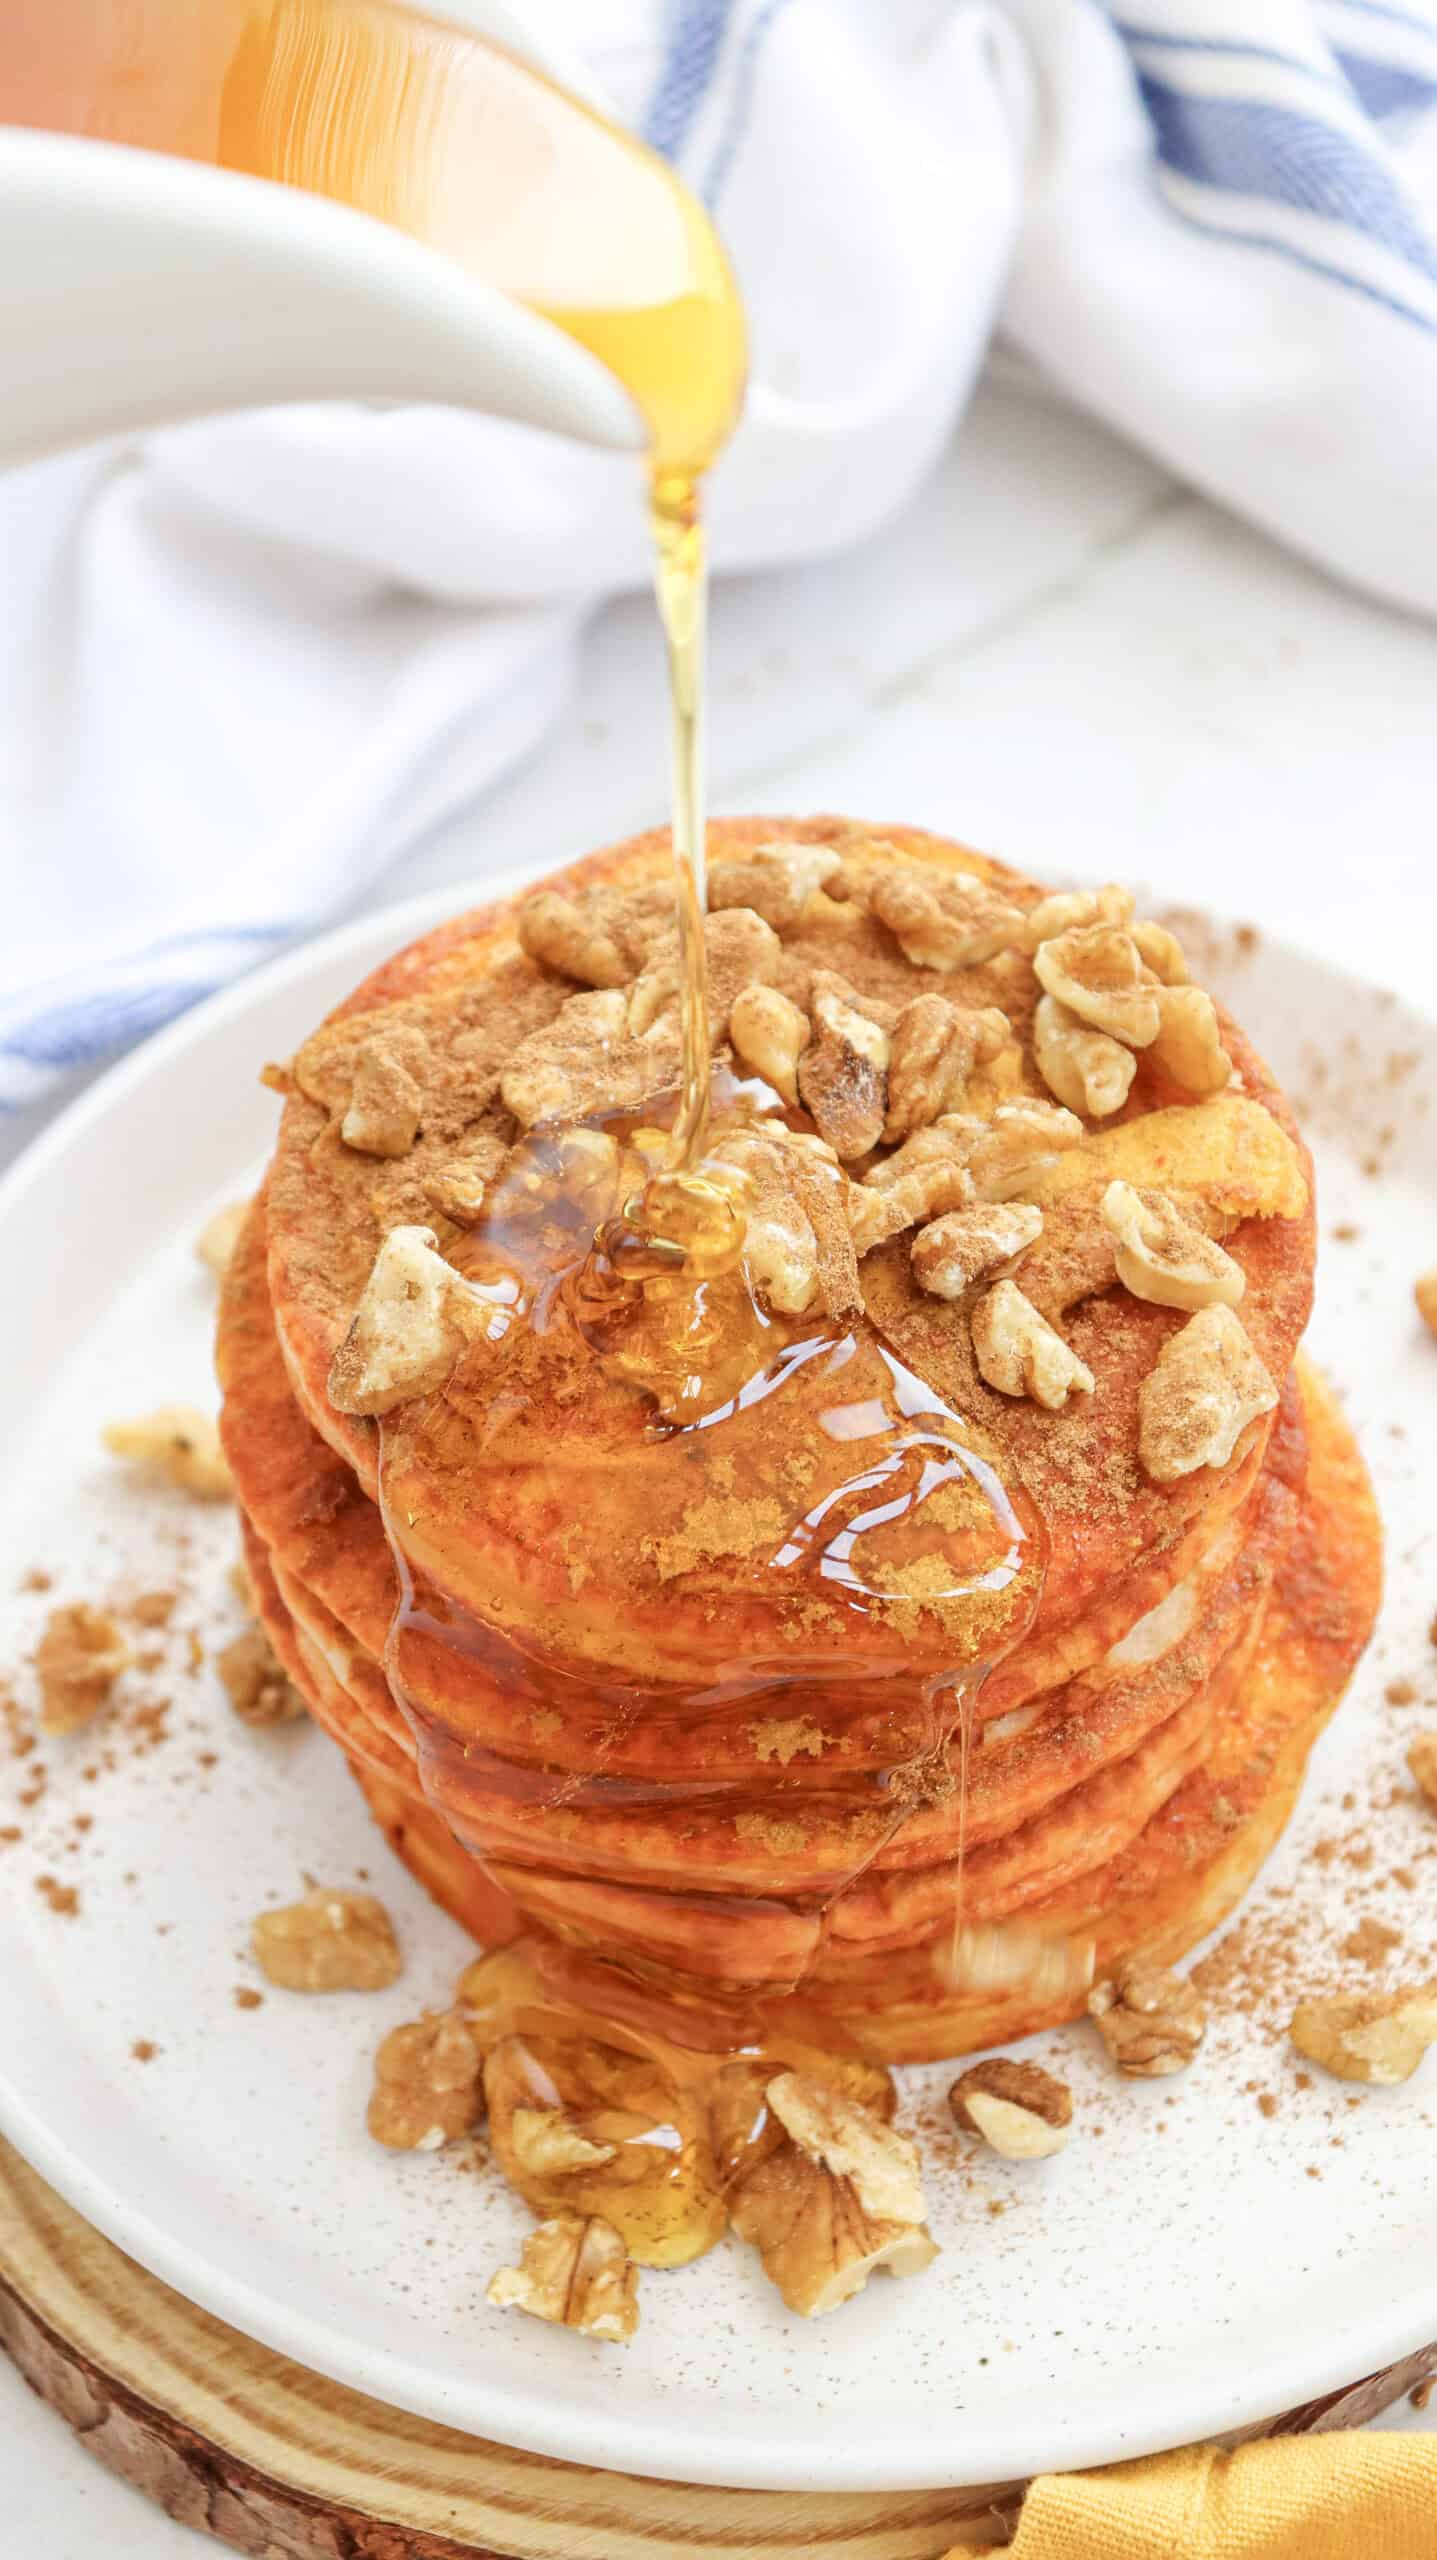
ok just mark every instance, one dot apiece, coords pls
pixel 532 2418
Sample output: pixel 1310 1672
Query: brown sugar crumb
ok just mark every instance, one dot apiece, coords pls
pixel 153 1608
pixel 1267 2103
pixel 1370 1942
pixel 194 1653
pixel 78 1659
pixel 246 1997
pixel 10 1832
pixel 143 2050
pixel 37 1579
pixel 1400 1693
pixel 62 1898
pixel 1346 1232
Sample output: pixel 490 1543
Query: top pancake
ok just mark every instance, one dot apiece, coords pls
pixel 497 1540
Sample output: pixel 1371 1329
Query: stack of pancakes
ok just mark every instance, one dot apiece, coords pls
pixel 612 1719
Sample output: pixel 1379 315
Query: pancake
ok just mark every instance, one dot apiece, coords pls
pixel 580 1663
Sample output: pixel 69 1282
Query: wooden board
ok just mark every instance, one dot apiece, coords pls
pixel 238 2442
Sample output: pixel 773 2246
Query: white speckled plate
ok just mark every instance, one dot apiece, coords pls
pixel 1189 2264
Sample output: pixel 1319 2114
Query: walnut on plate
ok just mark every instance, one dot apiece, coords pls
pixel 1020 1354
pixel 333 1940
pixel 426 2084
pixel 1162 1256
pixel 1368 2036
pixel 1151 2021
pixel 259 1688
pixel 1019 2109
pixel 412 1321
pixel 219 1235
pixel 776 881
pixel 179 1442
pixel 951 920
pixel 576 2273
pixel 840 2197
pixel 1206 1386
pixel 953 1253
pixel 78 1659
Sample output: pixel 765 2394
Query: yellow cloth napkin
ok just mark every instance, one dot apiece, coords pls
pixel 1322 2497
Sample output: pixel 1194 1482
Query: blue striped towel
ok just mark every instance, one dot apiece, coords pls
pixel 244 665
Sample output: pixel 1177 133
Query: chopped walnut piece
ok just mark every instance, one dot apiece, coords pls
pixel 385 1102
pixel 1152 2022
pixel 1019 1353
pixel 952 921
pixel 1065 909
pixel 1016 1148
pixel 78 1659
pixel 797 1243
pixel 956 1251
pixel 927 1175
pixel 935 1049
pixel 1162 1257
pixel 177 1441
pixel 576 2273
pixel 573 1064
pixel 1086 1069
pixel 408 1329
pixel 548 2144
pixel 457 1188
pixel 260 1690
pixel 776 881
pixel 843 1072
pixel 1366 2035
pixel 1425 1293
pixel 1163 953
pixel 840 2197
pixel 1098 972
pixel 426 2084
pixel 573 936
pixel 1189 1046
pixel 1018 2108
pixel 1207 1385
pixel 740 950
pixel 331 1941
pixel 1422 1761
pixel 769 1034
pixel 219 1235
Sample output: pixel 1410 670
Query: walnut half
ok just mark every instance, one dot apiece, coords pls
pixel 1366 2037
pixel 1162 1256
pixel 840 2197
pixel 331 1941
pixel 953 1253
pixel 78 1659
pixel 1206 1386
pixel 1152 2022
pixel 408 1329
pixel 575 2273
pixel 177 1441
pixel 1019 1353
pixel 1019 2109
pixel 426 2084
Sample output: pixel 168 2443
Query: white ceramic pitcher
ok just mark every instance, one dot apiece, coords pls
pixel 138 289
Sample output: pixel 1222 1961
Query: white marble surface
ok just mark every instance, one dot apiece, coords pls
pixel 1061 656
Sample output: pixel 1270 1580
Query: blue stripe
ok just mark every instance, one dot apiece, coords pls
pixel 1425 25
pixel 695 39
pixel 740 103
pixel 1301 258
pixel 71 1035
pixel 1386 88
pixel 1242 51
pixel 1250 148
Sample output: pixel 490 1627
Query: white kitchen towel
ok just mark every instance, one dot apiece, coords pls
pixel 244 664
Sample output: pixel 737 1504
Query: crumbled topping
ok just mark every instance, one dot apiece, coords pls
pixel 260 1690
pixel 1366 2036
pixel 331 1941
pixel 1018 1146
pixel 740 950
pixel 426 2084
pixel 946 920
pixel 585 1059
pixel 602 936
pixel 935 1050
pixel 1067 910
pixel 956 1251
pixel 456 1189
pixel 926 1175
pixel 1020 1354
pixel 1425 1293
pixel 547 2143
pixel 769 1033
pixel 1207 1385
pixel 575 2273
pixel 1089 1071
pixel 1422 1761
pixel 1152 2022
pixel 1189 1046
pixel 219 1235
pixel 179 1442
pixel 1162 1256
pixel 1098 972
pixel 843 1072
pixel 408 1329
pixel 1018 2108
pixel 840 2197
pixel 78 1659
pixel 798 1247
pixel 776 881
pixel 385 1103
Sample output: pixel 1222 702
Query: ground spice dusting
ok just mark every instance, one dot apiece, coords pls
pixel 62 1898
pixel 1400 1693
pixel 143 2050
pixel 247 1998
